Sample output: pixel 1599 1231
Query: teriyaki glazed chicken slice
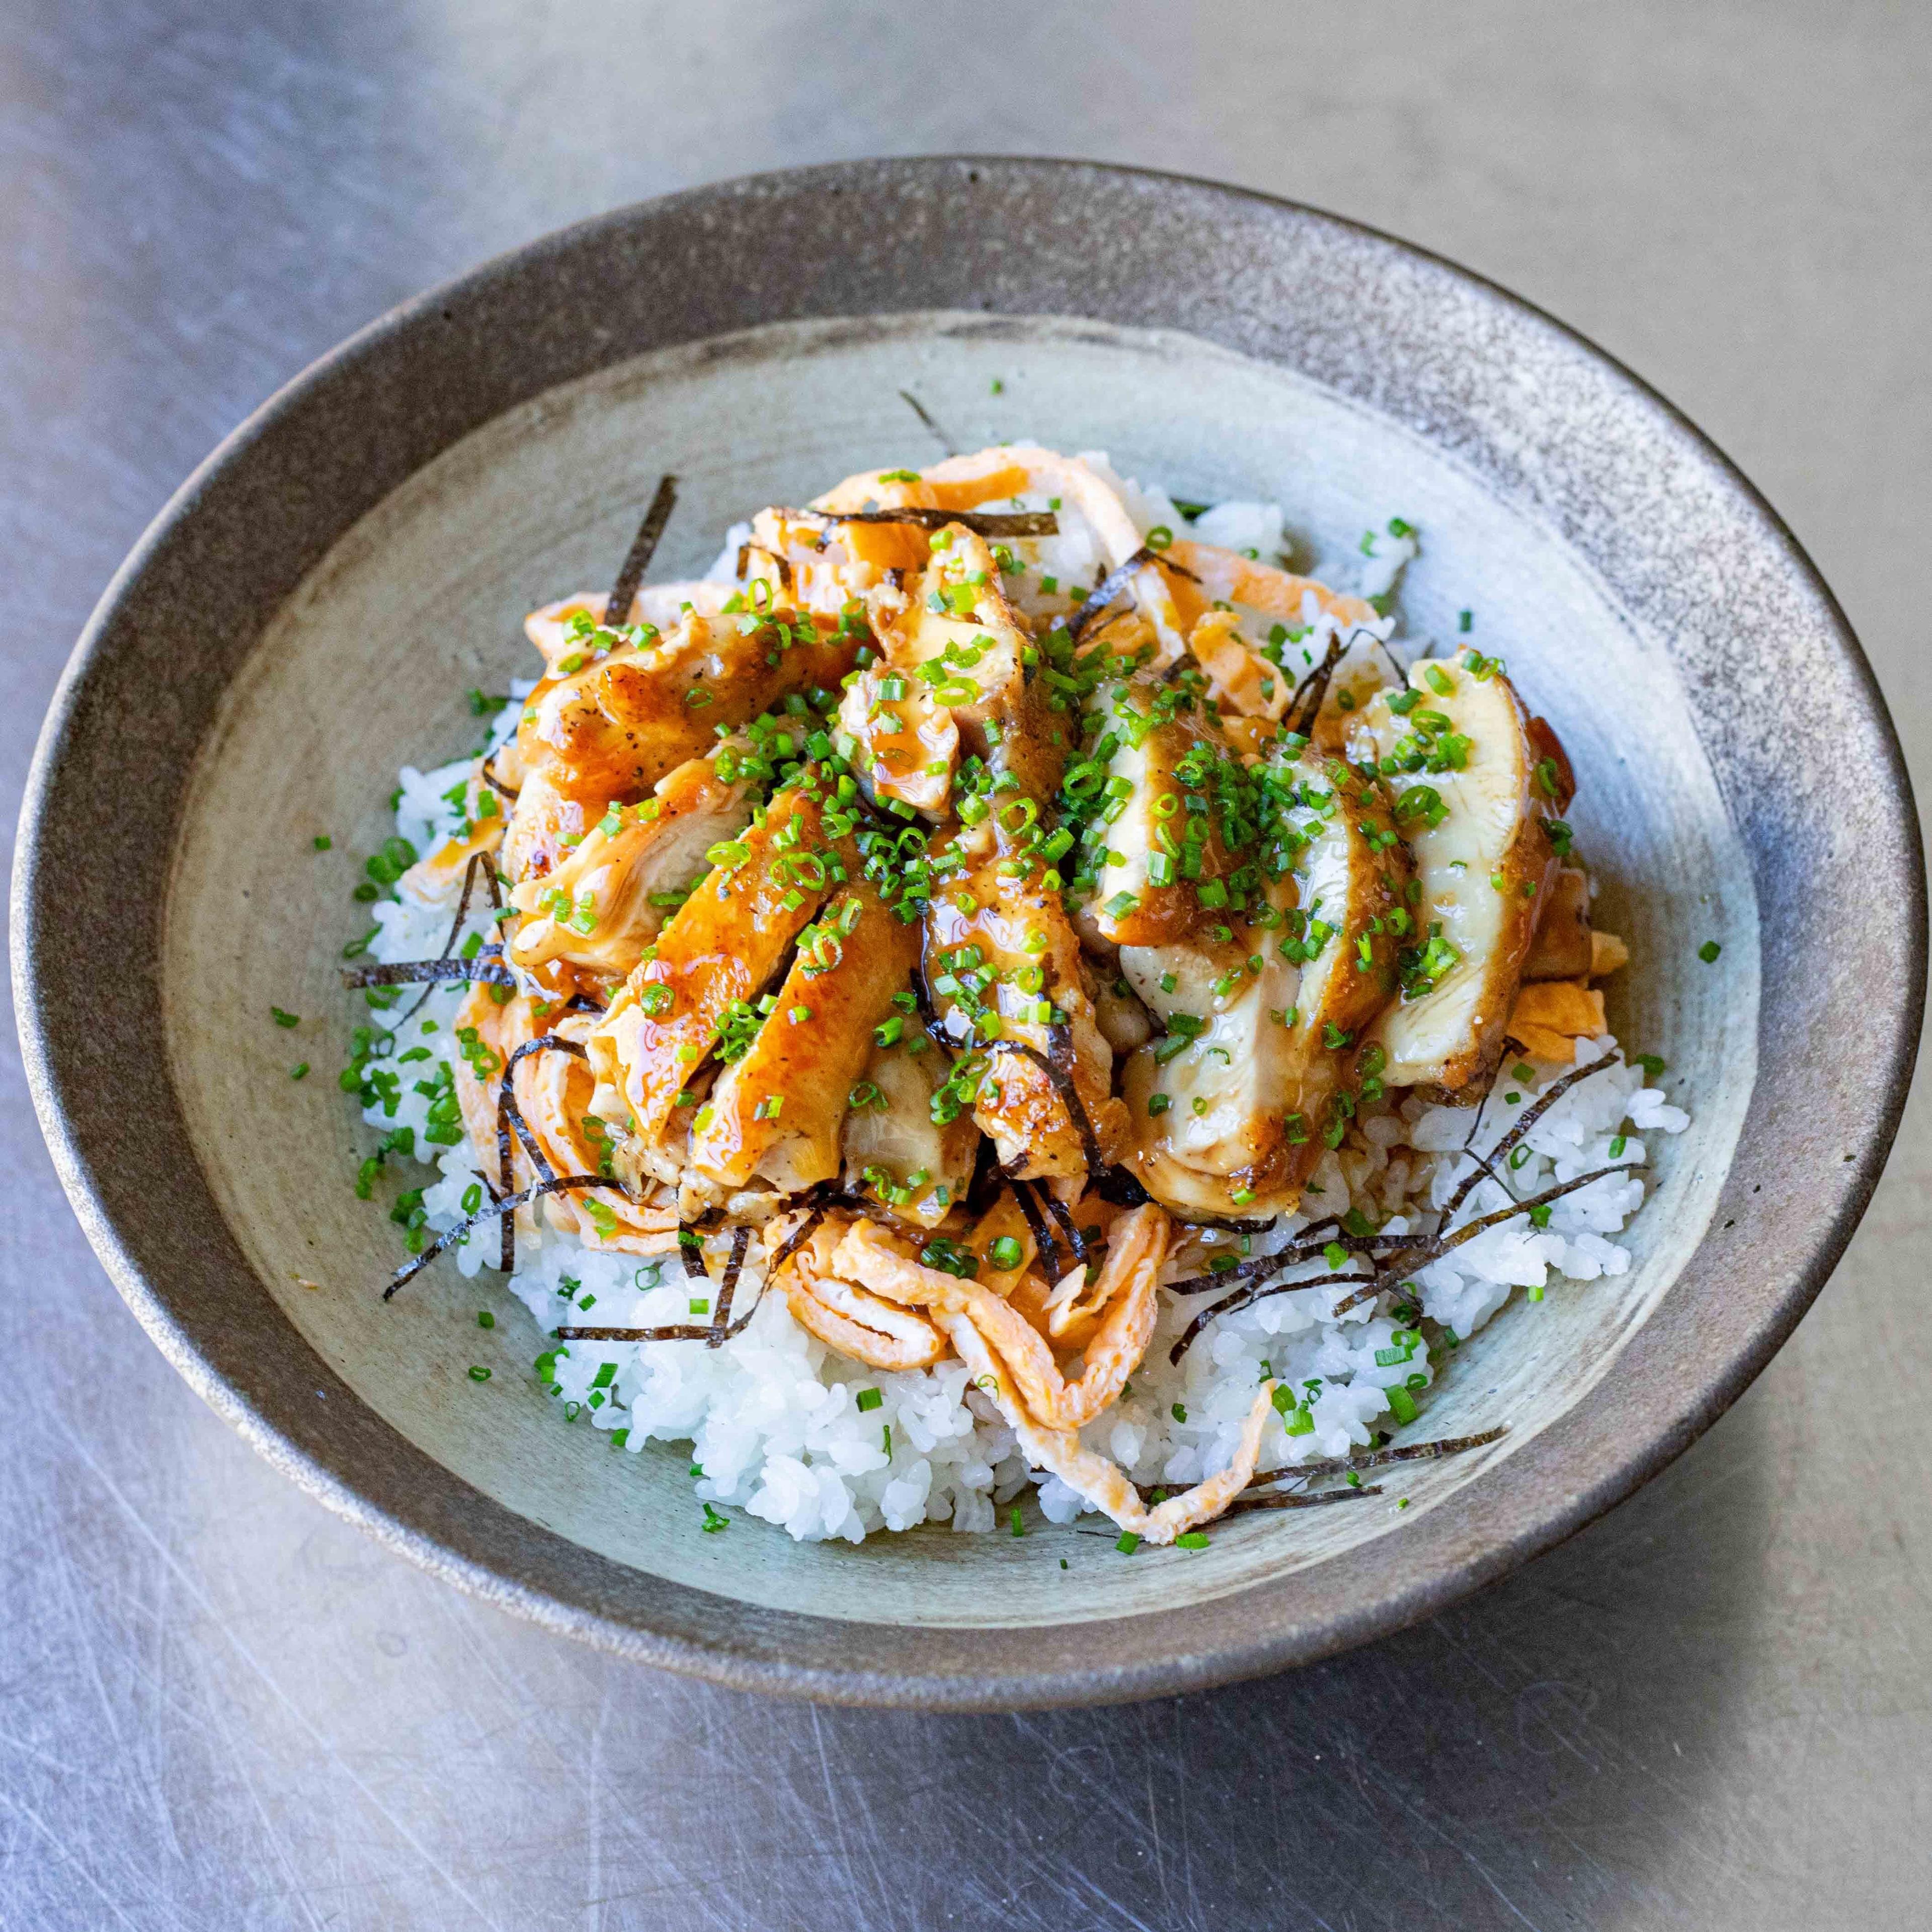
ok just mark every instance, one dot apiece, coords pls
pixel 1003 997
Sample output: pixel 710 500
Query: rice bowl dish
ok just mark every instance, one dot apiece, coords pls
pixel 1002 997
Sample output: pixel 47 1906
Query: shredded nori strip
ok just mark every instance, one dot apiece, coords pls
pixel 983 1190
pixel 720 1329
pixel 1119 1187
pixel 509 1118
pixel 919 409
pixel 1111 586
pixel 1409 1259
pixel 720 1309
pixel 691 1252
pixel 1531 1116
pixel 493 951
pixel 1302 714
pixel 1292 1256
pixel 1075 1239
pixel 1376 1458
pixel 1300 1499
pixel 981 523
pixel 505 1205
pixel 1043 1236
pixel 483 968
pixel 637 559
pixel 929 1013
pixel 491 778
pixel 1243 1297
pixel 795 1240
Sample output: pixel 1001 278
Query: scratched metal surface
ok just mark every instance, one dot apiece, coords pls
pixel 220 1707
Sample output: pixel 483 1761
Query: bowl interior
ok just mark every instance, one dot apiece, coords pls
pixel 365 668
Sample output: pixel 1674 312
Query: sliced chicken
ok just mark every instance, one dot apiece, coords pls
pixel 894 1150
pixel 963 641
pixel 565 629
pixel 603 903
pixel 607 732
pixel 775 1114
pixel 721 947
pixel 1473 790
pixel 1261 1065
pixel 905 743
pixel 1177 828
pixel 1004 964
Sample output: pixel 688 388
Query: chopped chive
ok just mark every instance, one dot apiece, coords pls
pixel 323 841
pixel 1192 1539
pixel 283 1019
pixel 478 1374
pixel 1019 1528
pixel 299 1071
pixel 484 1319
pixel 869 1398
pixel 1708 951
pixel 1128 1543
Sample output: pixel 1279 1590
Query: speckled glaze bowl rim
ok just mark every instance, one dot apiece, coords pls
pixel 352 1462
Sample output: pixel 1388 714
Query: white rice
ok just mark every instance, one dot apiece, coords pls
pixel 773 1416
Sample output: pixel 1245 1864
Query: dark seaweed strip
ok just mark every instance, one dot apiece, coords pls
pixel 1232 1223
pixel 1300 1499
pixel 1290 1256
pixel 691 1252
pixel 981 523
pixel 1503 1147
pixel 493 953
pixel 919 409
pixel 795 1240
pixel 578 1003
pixel 643 547
pixel 1069 1095
pixel 1301 715
pixel 1119 1187
pixel 674 1331
pixel 710 1333
pixel 505 1205
pixel 1113 585
pixel 1075 1239
pixel 1376 1458
pixel 1242 1297
pixel 491 778
pixel 720 1329
pixel 929 1014
pixel 509 1118
pixel 1511 1045
pixel 485 969
pixel 1042 1238
pixel 1411 1259
pixel 720 1311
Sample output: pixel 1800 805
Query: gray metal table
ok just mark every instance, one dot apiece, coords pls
pixel 219 1706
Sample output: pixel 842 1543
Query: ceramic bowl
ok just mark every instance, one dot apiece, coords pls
pixel 303 617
